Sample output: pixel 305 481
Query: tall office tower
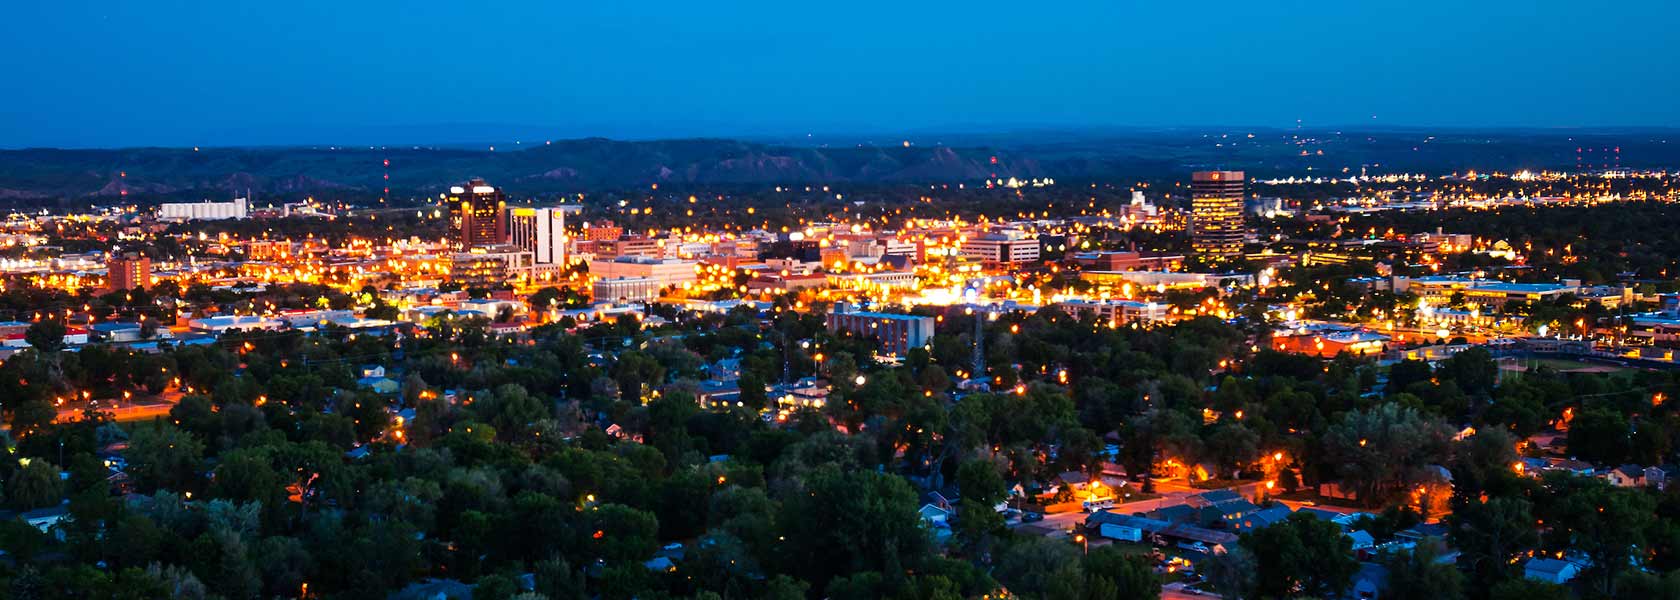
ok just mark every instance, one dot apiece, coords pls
pixel 477 215
pixel 542 231
pixel 130 271
pixel 1216 213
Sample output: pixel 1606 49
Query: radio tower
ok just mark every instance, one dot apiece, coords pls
pixel 387 192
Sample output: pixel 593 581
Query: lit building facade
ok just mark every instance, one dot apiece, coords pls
pixel 1216 213
pixel 1116 312
pixel 490 266
pixel 542 231
pixel 203 211
pixel 128 272
pixel 1001 248
pixel 477 215
pixel 625 289
pixel 668 271
pixel 604 230
pixel 896 333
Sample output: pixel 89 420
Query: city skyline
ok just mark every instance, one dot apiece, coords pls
pixel 794 301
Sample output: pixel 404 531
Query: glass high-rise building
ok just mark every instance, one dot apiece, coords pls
pixel 477 215
pixel 1216 213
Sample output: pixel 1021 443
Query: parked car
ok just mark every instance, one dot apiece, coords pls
pixel 1032 517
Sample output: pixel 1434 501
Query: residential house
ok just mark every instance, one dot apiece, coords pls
pixel 1321 514
pixel 1177 513
pixel 1550 570
pixel 934 516
pixel 1627 476
pixel 1369 582
pixel 718 394
pixel 1422 531
pixel 1084 487
pixel 379 384
pixel 1261 519
pixel 1123 527
pixel 1221 507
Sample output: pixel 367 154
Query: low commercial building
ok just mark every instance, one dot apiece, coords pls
pixel 630 246
pixel 223 324
pixel 1492 293
pixel 1659 327
pixel 73 336
pixel 123 331
pixel 1168 279
pixel 314 318
pixel 625 289
pixel 882 280
pixel 1008 247
pixel 1117 312
pixel 665 271
pixel 490 266
pixel 1325 342
pixel 1127 261
pixel 896 333
pixel 775 283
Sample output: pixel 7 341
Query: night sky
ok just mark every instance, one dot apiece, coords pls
pixel 163 72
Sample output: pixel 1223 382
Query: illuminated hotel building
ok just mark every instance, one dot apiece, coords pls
pixel 128 272
pixel 1216 213
pixel 477 215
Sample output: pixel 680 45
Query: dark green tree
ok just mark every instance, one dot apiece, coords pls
pixel 1302 555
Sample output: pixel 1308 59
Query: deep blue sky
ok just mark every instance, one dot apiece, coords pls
pixel 167 72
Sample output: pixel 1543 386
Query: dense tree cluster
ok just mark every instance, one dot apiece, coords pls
pixel 492 464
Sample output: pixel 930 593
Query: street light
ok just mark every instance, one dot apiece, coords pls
pixel 1084 544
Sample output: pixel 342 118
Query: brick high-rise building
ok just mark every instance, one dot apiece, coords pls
pixel 1216 213
pixel 130 271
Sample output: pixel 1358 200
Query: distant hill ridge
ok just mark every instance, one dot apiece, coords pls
pixel 567 165
pixel 581 165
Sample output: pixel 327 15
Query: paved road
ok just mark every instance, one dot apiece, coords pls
pixel 1171 494
pixel 135 409
pixel 1175 591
